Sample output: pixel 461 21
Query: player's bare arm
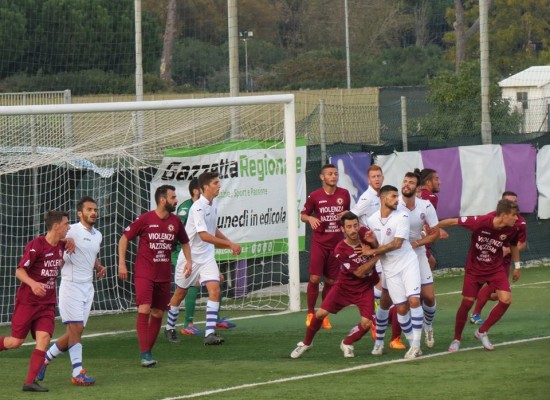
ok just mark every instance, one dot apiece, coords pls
pixel 432 234
pixel 395 244
pixel 186 249
pixel 311 220
pixel 514 251
pixel 370 239
pixel 36 287
pixel 122 247
pixel 364 269
pixel 70 245
pixel 448 222
pixel 100 269
pixel 221 243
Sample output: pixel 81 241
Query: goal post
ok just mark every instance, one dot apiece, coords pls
pixel 108 160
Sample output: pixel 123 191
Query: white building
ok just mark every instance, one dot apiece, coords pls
pixel 529 93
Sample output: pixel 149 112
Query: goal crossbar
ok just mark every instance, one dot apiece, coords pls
pixel 287 100
pixel 40 109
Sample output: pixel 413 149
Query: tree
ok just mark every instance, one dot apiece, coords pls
pixel 12 24
pixel 194 60
pixel 519 33
pixel 456 101
pixel 409 66
pixel 168 45
pixel 312 70
pixel 462 35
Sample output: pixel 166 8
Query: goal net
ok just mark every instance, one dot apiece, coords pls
pixel 52 155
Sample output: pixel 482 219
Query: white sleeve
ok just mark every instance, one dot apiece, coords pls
pixel 199 221
pixel 431 216
pixel 403 227
pixel 360 208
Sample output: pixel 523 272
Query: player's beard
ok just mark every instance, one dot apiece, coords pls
pixel 170 208
pixel 408 195
pixel 90 221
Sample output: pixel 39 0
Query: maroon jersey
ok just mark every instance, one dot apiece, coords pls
pixel 431 197
pixel 486 256
pixel 157 238
pixel 326 208
pixel 42 262
pixel 350 262
pixel 521 225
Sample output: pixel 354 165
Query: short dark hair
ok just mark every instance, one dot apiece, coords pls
pixel 505 206
pixel 348 216
pixel 54 217
pixel 84 199
pixel 162 191
pixel 327 166
pixel 508 193
pixel 194 185
pixel 413 175
pixel 387 188
pixel 426 174
pixel 206 177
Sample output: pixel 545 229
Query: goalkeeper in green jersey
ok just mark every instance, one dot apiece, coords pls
pixel 191 296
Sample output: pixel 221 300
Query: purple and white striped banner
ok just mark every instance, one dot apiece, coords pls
pixel 473 178
pixel 352 173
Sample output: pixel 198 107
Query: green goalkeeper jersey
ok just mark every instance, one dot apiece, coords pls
pixel 182 212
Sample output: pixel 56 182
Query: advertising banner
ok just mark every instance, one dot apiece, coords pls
pixel 252 204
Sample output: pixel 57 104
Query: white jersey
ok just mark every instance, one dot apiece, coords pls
pixel 422 214
pixel 203 217
pixel 396 225
pixel 367 205
pixel 79 266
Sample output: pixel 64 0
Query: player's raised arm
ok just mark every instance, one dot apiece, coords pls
pixel 364 269
pixel 395 244
pixel 448 222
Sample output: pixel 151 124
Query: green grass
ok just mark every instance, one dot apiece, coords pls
pixel 257 352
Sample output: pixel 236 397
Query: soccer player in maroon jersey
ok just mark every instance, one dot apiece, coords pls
pixel 322 211
pixel 36 296
pixel 430 184
pixel 487 293
pixel 158 231
pixel 354 285
pixel 484 265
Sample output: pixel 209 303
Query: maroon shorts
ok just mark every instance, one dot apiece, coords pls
pixel 322 262
pixel 472 283
pixel 339 298
pixel 156 294
pixel 32 318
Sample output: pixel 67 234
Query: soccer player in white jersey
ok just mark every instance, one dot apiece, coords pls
pixel 204 236
pixel 421 213
pixel 401 272
pixel 368 204
pixel 76 292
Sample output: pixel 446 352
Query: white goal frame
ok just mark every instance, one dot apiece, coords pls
pixel 287 100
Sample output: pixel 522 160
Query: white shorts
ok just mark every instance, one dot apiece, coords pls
pixel 75 301
pixel 201 272
pixel 404 284
pixel 426 276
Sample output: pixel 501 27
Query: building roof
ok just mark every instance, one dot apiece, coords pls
pixel 533 76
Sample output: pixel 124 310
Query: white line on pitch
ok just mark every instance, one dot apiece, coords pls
pixel 338 371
